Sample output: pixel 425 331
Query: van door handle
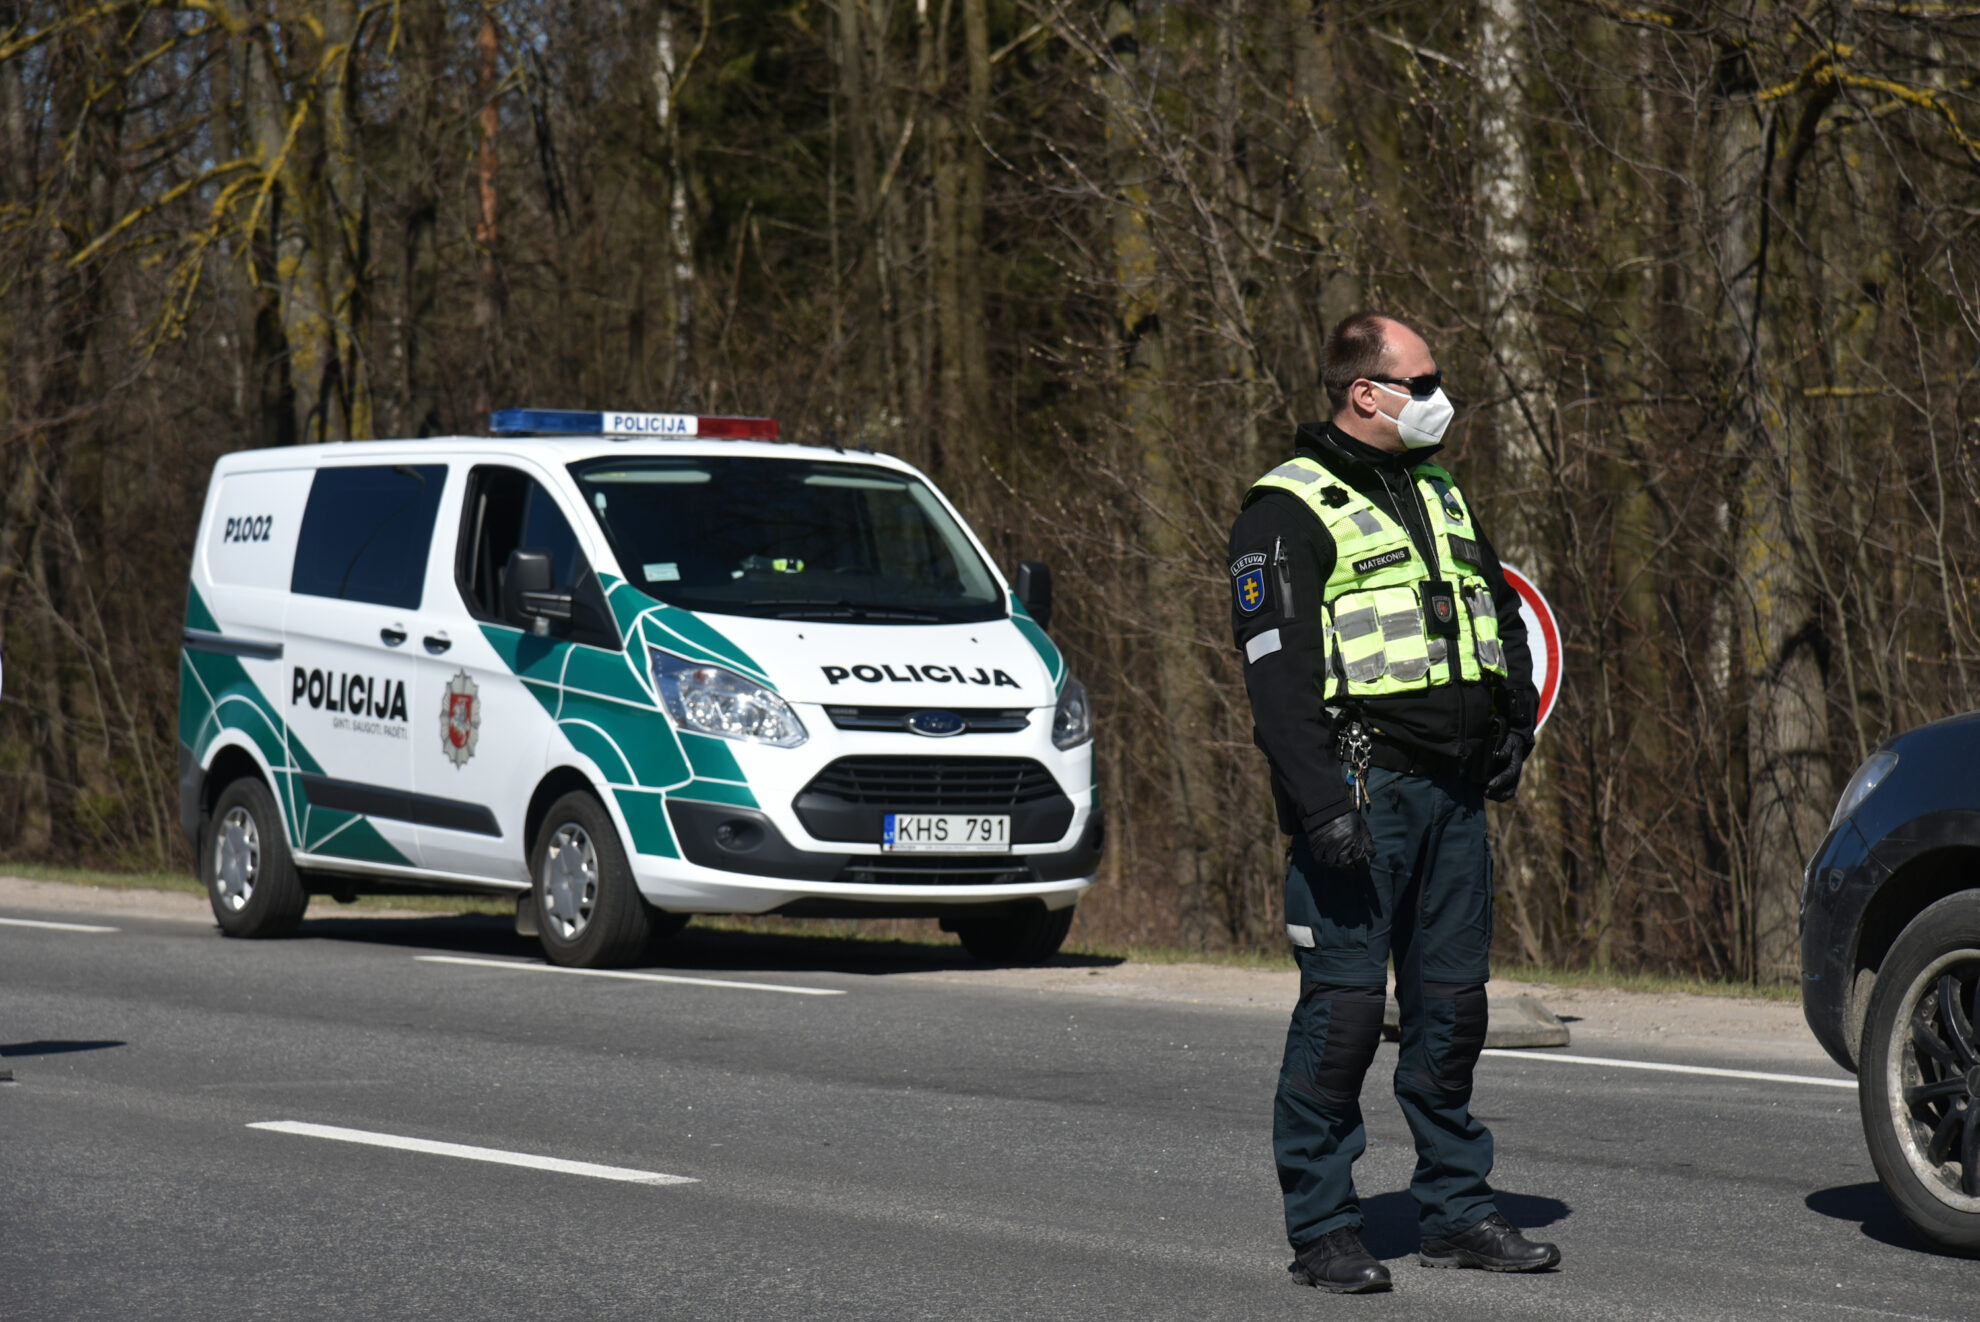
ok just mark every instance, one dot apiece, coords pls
pixel 392 635
pixel 437 643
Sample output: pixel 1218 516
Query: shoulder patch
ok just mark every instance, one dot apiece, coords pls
pixel 1254 560
pixel 1248 591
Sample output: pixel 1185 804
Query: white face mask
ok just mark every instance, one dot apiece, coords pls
pixel 1422 422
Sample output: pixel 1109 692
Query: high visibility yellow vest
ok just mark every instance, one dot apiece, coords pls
pixel 1379 638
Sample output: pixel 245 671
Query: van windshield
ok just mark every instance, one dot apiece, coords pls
pixel 788 539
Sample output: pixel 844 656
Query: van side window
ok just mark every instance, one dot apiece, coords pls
pixel 366 532
pixel 506 511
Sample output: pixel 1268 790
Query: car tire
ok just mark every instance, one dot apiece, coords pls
pixel 244 861
pixel 1919 1074
pixel 589 914
pixel 1030 937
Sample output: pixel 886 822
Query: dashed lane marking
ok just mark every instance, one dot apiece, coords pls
pixel 55 927
pixel 496 1156
pixel 1673 1069
pixel 516 966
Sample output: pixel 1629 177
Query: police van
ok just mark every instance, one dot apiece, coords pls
pixel 627 668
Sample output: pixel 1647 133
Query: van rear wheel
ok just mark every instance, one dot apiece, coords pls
pixel 250 877
pixel 589 914
pixel 1030 937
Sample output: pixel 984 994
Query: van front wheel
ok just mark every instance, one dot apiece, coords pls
pixel 589 914
pixel 250 877
pixel 1030 937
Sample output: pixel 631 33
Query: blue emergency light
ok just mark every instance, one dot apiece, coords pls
pixel 568 422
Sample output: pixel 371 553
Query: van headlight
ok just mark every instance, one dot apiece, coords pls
pixel 713 700
pixel 1072 723
pixel 1867 778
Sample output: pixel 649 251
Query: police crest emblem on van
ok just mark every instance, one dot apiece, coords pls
pixel 460 719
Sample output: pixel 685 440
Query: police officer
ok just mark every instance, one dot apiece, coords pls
pixel 1391 690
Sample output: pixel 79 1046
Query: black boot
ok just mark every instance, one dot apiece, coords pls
pixel 1492 1244
pixel 1336 1262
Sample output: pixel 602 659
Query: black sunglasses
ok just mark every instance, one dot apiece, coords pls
pixel 1420 386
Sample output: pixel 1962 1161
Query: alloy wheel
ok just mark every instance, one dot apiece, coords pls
pixel 1934 1066
pixel 570 880
pixel 236 859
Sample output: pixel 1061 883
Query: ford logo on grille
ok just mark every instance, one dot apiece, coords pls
pixel 937 724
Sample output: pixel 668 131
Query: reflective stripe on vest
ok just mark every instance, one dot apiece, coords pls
pixel 1378 641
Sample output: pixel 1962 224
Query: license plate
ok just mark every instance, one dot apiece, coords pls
pixel 946 834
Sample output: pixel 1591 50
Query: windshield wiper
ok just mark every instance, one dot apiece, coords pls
pixel 814 609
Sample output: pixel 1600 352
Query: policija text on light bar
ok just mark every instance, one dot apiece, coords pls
pixel 565 422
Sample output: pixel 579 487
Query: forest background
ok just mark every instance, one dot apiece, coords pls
pixel 1703 279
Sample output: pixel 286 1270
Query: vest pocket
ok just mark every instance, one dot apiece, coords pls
pixel 1485 626
pixel 1380 638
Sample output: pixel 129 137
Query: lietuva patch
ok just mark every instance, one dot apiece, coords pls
pixel 1382 561
pixel 1249 591
pixel 1248 582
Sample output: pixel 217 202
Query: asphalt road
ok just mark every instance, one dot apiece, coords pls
pixel 906 1149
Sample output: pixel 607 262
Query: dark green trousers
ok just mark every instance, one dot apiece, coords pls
pixel 1425 901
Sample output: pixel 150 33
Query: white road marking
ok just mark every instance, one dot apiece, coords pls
pixel 55 927
pixel 518 966
pixel 496 1155
pixel 1674 1069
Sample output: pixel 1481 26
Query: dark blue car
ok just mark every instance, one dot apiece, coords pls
pixel 1890 967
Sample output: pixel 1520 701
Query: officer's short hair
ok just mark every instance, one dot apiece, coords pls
pixel 1354 350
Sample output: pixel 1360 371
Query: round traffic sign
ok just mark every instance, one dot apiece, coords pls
pixel 1543 638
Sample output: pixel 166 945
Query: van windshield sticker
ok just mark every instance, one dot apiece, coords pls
pixel 920 675
pixel 667 571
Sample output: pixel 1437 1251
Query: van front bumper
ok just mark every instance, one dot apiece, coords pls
pixel 762 872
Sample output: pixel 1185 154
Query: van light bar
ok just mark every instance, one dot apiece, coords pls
pixel 565 422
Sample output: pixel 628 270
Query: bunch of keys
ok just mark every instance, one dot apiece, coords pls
pixel 1354 747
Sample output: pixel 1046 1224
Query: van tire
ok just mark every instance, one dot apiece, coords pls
pixel 589 914
pixel 244 862
pixel 1031 937
pixel 1937 955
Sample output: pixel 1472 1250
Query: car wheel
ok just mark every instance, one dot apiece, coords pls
pixel 589 914
pixel 1030 937
pixel 1919 1076
pixel 251 879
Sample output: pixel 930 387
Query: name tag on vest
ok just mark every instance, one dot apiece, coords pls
pixel 1382 561
pixel 1465 549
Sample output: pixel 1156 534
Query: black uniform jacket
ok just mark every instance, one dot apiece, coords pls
pixel 1447 729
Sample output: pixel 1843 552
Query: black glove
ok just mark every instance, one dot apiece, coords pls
pixel 1342 842
pixel 1506 764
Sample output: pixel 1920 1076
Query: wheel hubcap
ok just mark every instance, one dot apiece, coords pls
pixel 570 880
pixel 1933 1073
pixel 236 859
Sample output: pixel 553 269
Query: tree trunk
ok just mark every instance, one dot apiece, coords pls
pixel 1777 637
pixel 487 235
pixel 1150 433
pixel 669 71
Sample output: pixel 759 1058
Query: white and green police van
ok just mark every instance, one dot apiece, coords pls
pixel 627 668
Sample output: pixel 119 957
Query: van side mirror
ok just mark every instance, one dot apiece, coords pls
pixel 527 598
pixel 1034 590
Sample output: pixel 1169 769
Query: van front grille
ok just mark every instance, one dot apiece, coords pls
pixel 849 800
pixel 936 784
pixel 976 720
